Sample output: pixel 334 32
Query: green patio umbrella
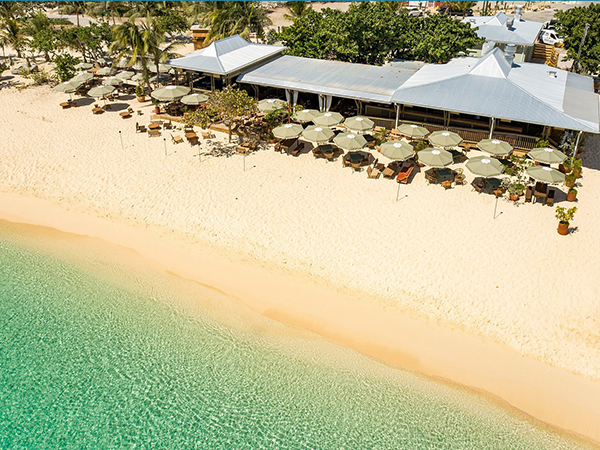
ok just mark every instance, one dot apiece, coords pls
pixel 435 157
pixel 122 63
pixel 194 99
pixel 547 155
pixel 125 75
pixel 80 78
pixel 445 139
pixel 545 174
pixel 170 93
pixel 398 151
pixel 160 78
pixel 101 91
pixel 357 123
pixel 84 66
pixel 306 115
pixel 163 68
pixel 350 141
pixel 288 131
pixel 315 133
pixel 484 166
pixel 270 104
pixel 67 87
pixel 413 131
pixel 105 71
pixel 112 81
pixel 138 77
pixel 328 119
pixel 495 147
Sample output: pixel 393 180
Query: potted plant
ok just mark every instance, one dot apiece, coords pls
pixel 566 166
pixel 421 145
pixel 139 93
pixel 515 190
pixel 564 216
pixel 156 107
pixel 572 195
pixel 577 167
pixel 570 180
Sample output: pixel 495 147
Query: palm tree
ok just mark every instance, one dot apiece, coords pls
pixel 461 6
pixel 72 7
pixel 12 34
pixel 10 10
pixel 298 9
pixel 243 18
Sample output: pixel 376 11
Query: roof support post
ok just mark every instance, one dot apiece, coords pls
pixel 212 83
pixel 492 123
pixel 397 114
pixel 576 144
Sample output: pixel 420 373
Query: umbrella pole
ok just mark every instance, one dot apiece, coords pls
pixel 165 142
pixel 244 162
pixel 121 138
pixel 495 207
pixel 398 191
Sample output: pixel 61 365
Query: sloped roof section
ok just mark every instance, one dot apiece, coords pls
pixel 495 29
pixel 318 76
pixel 226 56
pixel 526 92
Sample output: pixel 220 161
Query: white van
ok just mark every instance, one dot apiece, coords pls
pixel 549 37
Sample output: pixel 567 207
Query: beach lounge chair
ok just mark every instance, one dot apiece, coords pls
pixel 389 171
pixel 478 184
pixel 139 112
pixel 405 172
pixel 176 139
pixel 373 172
pixel 153 133
pixel 140 128
pixel 207 135
pixel 550 197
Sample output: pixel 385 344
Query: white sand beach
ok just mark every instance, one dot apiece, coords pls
pixel 439 257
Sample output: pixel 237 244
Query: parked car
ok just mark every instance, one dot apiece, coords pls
pixel 447 9
pixel 549 37
pixel 413 11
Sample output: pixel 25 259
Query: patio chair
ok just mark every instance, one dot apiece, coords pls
pixel 130 109
pixel 373 172
pixel 177 139
pixel 328 151
pixel 139 112
pixel 550 197
pixel 540 190
pixel 140 128
pixel 168 125
pixel 296 151
pixel 389 171
pixel 459 177
pixel 446 184
pixel 528 194
pixel 430 176
pixel 405 172
pixel 153 133
pixel 207 135
pixel 478 184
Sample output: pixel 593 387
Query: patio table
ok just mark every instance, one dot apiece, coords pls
pixel 154 126
pixel 444 175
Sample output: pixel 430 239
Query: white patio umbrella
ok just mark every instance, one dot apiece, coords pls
pixel 125 75
pixel 435 157
pixel 315 133
pixel 484 166
pixel 328 119
pixel 305 115
pixel 82 77
pixel 170 93
pixel 546 174
pixel 547 155
pixel 163 68
pixel 350 141
pixel 398 151
pixel 194 99
pixel 84 66
pixel 413 131
pixel 105 71
pixel 270 104
pixel 495 147
pixel 101 91
pixel 112 81
pixel 138 77
pixel 358 123
pixel 288 131
pixel 67 87
pixel 445 139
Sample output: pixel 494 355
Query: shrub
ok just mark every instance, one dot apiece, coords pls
pixel 565 215
pixel 64 66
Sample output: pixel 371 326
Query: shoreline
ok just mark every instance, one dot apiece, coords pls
pixel 370 326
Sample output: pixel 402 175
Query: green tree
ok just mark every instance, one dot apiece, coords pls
pixel 229 106
pixel 72 7
pixel 171 22
pixel 12 34
pixel 43 37
pixel 10 10
pixel 570 24
pixel 297 9
pixel 237 17
pixel 90 41
pixel 64 66
pixel 131 41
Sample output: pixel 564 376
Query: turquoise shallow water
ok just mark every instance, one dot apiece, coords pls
pixel 85 363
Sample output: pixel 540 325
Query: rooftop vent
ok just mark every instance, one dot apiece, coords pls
pixel 518 13
pixel 551 73
pixel 509 22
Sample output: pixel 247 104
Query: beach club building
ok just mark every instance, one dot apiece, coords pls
pixel 477 97
pixel 514 34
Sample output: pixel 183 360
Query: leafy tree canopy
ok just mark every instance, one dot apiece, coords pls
pixel 571 24
pixel 64 66
pixel 372 33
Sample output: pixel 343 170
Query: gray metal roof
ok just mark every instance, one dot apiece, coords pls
pixel 356 81
pixel 493 28
pixel 226 56
pixel 490 87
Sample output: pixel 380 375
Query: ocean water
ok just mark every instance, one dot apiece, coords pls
pixel 86 362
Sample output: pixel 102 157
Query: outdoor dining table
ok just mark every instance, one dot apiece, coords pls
pixel 444 175
pixel 355 158
pixel 125 114
pixel 97 110
pixel 154 126
pixel 65 105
